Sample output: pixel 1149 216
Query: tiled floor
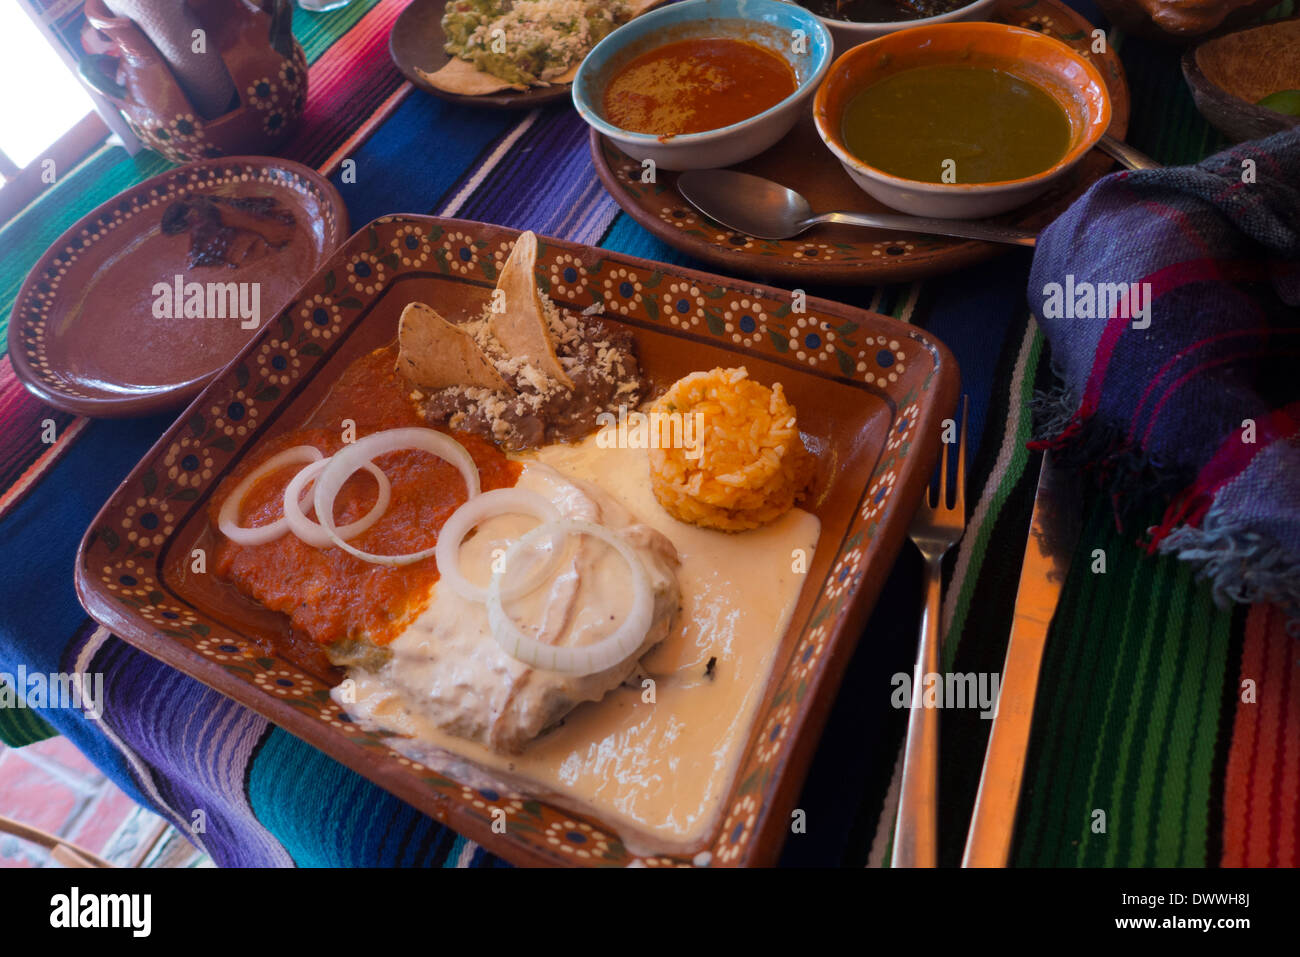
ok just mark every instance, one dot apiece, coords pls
pixel 50 785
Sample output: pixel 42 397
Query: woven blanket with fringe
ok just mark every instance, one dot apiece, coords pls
pixel 1171 300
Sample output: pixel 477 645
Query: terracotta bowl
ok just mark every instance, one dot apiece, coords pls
pixel 1066 75
pixel 1228 75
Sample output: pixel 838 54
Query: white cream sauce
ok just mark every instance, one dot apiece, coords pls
pixel 656 770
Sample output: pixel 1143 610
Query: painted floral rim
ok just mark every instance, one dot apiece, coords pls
pixel 119 575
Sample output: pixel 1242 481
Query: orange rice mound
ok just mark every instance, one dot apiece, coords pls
pixel 752 466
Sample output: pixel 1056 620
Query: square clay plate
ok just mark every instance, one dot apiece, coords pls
pixel 870 391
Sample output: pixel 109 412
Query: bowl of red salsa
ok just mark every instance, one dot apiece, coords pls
pixel 703 83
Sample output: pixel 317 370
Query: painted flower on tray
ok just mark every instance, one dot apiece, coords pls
pixel 366 273
pixel 277 366
pixel 168 616
pixel 188 463
pixel 811 339
pixel 321 317
pixel 147 523
pixel 579 839
pixel 622 291
pixel 845 575
pixel 568 276
pixel 283 682
pixel 460 252
pixel 737 828
pixel 235 417
pixel 683 304
pixel 128 579
pixel 877 495
pixel 411 245
pixel 225 649
pixel 745 321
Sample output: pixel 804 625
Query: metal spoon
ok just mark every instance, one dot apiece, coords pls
pixel 1127 155
pixel 761 208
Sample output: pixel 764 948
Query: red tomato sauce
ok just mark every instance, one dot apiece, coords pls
pixel 327 593
pixel 689 86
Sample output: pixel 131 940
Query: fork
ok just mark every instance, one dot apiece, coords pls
pixel 935 529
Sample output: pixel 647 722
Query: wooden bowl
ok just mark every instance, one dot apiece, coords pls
pixel 1229 74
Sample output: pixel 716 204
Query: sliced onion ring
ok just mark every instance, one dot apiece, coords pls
pixel 228 517
pixel 619 645
pixel 357 455
pixel 501 501
pixel 310 531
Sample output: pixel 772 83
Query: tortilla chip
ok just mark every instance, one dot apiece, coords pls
pixel 434 354
pixel 522 328
pixel 461 76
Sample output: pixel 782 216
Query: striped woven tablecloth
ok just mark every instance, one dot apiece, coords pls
pixel 1141 711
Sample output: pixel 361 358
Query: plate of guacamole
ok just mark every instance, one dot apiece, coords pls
pixel 503 53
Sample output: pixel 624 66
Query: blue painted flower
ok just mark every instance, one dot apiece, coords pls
pixel 460 253
pixel 410 245
pixel 320 316
pixel 188 463
pixel 745 321
pixel 622 291
pixel 281 681
pixel 366 273
pixel 568 276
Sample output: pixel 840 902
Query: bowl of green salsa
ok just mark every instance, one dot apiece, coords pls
pixel 961 120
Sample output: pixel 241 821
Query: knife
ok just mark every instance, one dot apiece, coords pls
pixel 1053 532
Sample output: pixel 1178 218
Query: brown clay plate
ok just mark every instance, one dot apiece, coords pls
pixel 871 392
pixel 83 334
pixel 842 254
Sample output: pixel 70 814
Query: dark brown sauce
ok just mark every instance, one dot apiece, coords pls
pixel 881 11
pixel 229 231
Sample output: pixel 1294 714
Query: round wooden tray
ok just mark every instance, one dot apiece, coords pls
pixel 840 254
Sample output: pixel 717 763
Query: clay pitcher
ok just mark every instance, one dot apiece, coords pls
pixel 253 38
